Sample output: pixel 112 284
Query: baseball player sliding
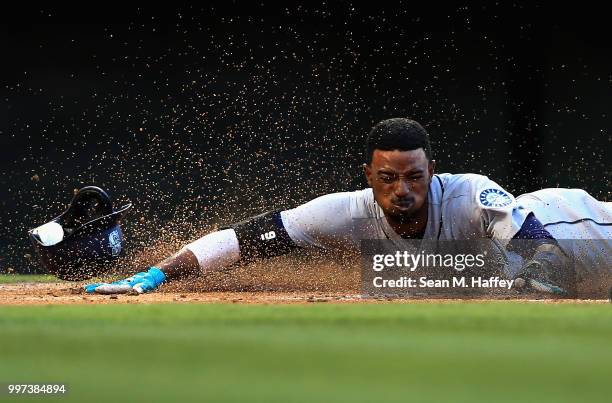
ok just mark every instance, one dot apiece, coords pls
pixel 408 200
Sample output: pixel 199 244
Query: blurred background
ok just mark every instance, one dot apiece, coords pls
pixel 209 114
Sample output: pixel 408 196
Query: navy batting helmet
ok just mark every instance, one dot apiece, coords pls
pixel 84 240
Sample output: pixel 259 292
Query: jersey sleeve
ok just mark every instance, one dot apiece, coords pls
pixel 482 208
pixel 323 223
pixel 498 210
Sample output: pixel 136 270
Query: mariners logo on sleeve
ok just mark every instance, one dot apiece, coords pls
pixel 495 198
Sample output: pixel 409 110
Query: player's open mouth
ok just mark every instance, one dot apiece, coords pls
pixel 403 205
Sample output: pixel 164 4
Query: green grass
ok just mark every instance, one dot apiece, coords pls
pixel 464 352
pixel 27 278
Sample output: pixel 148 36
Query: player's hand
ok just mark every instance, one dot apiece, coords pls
pixel 538 282
pixel 548 271
pixel 137 284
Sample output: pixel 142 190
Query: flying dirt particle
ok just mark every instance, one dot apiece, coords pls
pixel 35 178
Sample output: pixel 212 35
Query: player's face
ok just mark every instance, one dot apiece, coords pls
pixel 400 181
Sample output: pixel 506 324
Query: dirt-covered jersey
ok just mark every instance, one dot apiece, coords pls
pixel 461 207
pixel 465 207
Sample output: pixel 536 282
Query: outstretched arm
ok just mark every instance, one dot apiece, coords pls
pixel 260 237
pixel 321 223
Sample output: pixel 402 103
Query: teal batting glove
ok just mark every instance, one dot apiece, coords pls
pixel 139 283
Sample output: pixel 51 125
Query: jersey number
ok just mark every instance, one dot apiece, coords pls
pixel 268 235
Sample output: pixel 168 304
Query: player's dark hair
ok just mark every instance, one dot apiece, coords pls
pixel 397 134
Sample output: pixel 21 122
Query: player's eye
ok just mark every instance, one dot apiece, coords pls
pixel 387 178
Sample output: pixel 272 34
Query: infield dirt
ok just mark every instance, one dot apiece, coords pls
pixel 281 281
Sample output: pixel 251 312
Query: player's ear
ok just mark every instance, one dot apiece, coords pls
pixel 431 168
pixel 367 170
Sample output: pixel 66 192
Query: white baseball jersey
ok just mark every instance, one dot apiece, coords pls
pixel 463 207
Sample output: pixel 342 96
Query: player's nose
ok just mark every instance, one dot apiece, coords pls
pixel 401 189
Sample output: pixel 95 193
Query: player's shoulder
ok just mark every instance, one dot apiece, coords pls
pixel 476 189
pixel 462 183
